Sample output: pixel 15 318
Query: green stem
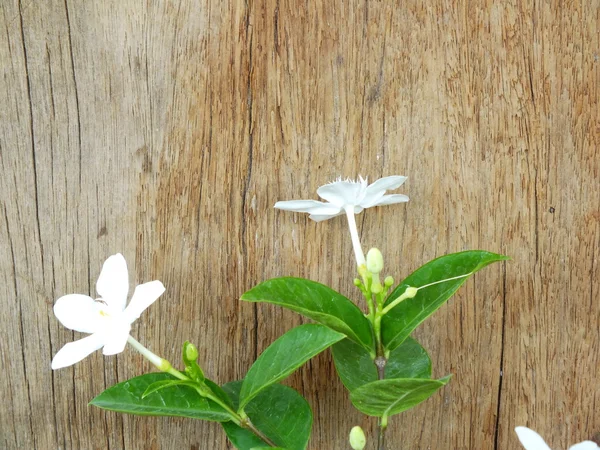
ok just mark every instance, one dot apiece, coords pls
pixel 403 297
pixel 165 366
pixel 381 433
pixel 371 308
pixel 410 292
pixel 245 423
pixel 377 331
pixel 380 363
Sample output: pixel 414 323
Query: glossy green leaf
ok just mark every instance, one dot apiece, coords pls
pixel 400 322
pixel 392 396
pixel 279 412
pixel 162 384
pixel 182 401
pixel 268 448
pixel 318 302
pixel 356 368
pixel 285 355
pixel 219 392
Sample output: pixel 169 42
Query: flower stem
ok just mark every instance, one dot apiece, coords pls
pixel 404 296
pixel 377 331
pixel 380 362
pixel 245 423
pixel 154 359
pixel 165 366
pixel 381 433
pixel 358 253
pixel 410 292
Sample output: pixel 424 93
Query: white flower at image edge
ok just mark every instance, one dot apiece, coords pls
pixel 344 195
pixel 533 441
pixel 350 198
pixel 106 319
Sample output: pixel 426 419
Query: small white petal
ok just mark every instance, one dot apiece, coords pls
pixel 115 339
pixel 143 296
pixel 530 439
pixel 78 312
pixel 322 217
pixel 375 191
pixel 74 352
pixel 113 282
pixel 585 445
pixel 308 206
pixel 342 193
pixel 387 183
pixel 391 199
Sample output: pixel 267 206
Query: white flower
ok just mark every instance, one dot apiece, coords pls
pixel 533 441
pixel 347 194
pixel 106 318
pixel 349 197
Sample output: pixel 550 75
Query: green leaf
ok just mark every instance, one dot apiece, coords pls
pixel 285 355
pixel 400 322
pixel 279 412
pixel 158 385
pixel 318 302
pixel 219 392
pixel 356 368
pixel 268 448
pixel 389 397
pixel 182 401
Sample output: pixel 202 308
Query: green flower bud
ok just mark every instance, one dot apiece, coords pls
pixel 374 261
pixel 388 282
pixel 411 292
pixel 357 282
pixel 357 438
pixel 191 352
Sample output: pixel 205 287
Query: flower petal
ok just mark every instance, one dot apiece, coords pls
pixel 113 283
pixel 308 206
pixel 115 339
pixel 143 296
pixel 322 217
pixel 585 445
pixel 391 199
pixel 343 193
pixel 78 312
pixel 530 439
pixel 387 183
pixel 74 352
pixel 376 190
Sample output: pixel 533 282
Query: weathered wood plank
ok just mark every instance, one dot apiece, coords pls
pixel 167 131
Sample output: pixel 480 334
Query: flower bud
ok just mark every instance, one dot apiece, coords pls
pixel 410 292
pixel 357 282
pixel 374 261
pixel 191 352
pixel 388 282
pixel 357 438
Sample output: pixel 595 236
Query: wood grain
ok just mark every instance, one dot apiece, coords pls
pixel 167 131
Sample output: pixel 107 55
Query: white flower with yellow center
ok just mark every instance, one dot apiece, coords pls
pixel 349 197
pixel 106 318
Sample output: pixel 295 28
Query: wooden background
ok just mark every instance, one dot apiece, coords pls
pixel 167 131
